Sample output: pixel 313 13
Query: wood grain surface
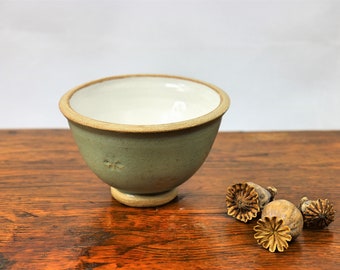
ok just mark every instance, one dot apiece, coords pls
pixel 56 214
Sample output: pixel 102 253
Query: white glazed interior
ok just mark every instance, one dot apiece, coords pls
pixel 144 100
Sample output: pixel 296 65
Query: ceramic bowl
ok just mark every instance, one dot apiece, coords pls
pixel 144 135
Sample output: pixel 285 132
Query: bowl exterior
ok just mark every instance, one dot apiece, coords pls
pixel 145 163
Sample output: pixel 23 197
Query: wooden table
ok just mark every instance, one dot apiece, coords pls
pixel 56 214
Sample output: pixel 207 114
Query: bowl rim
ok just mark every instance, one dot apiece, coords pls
pixel 75 117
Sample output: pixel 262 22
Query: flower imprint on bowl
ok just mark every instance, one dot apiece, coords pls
pixel 114 165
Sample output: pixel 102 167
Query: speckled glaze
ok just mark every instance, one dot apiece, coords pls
pixel 145 163
pixel 144 166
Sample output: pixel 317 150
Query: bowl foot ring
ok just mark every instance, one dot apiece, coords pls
pixel 151 200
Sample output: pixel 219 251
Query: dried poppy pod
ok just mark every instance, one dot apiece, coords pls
pixel 265 195
pixel 317 214
pixel 281 222
pixel 245 200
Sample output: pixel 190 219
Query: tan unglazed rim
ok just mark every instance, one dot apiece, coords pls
pixel 72 115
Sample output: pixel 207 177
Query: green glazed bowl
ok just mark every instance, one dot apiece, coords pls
pixel 144 134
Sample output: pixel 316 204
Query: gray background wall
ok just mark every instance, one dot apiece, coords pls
pixel 279 60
